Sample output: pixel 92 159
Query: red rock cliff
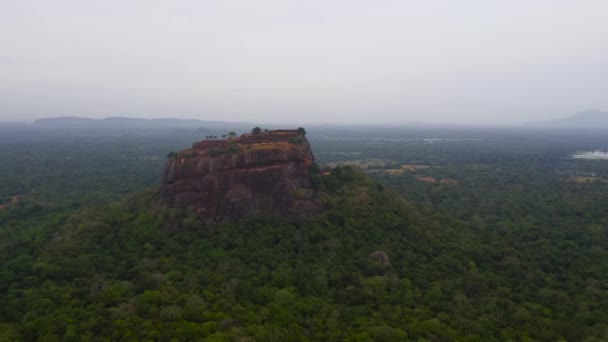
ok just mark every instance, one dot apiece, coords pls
pixel 266 172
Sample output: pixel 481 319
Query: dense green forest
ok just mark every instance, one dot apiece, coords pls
pixel 492 236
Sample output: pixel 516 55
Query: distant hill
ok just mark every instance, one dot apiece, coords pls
pixel 11 124
pixel 120 125
pixel 588 119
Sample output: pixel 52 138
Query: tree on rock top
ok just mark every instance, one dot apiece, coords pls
pixel 256 130
pixel 301 131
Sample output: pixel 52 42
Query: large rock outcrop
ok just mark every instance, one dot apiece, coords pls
pixel 228 178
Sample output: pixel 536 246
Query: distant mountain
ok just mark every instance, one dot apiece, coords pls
pixel 11 124
pixel 118 123
pixel 588 119
pixel 123 124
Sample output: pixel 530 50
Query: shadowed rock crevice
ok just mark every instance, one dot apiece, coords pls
pixel 228 178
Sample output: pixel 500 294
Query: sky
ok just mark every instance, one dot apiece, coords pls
pixel 313 61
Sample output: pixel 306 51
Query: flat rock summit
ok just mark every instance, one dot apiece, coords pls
pixel 266 171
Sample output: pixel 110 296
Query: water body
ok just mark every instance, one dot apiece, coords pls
pixel 591 155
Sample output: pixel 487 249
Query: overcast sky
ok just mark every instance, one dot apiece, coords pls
pixel 466 61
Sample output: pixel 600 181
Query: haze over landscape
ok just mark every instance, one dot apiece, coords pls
pixel 280 171
pixel 465 62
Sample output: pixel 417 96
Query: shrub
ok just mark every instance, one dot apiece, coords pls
pixel 233 149
pixel 295 141
pixel 214 152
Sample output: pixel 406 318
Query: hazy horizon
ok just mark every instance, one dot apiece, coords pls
pixel 468 62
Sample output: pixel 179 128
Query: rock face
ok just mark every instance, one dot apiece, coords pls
pixel 228 178
pixel 380 257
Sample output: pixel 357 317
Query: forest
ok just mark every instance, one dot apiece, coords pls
pixel 492 235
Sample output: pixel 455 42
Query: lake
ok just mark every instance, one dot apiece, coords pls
pixel 591 155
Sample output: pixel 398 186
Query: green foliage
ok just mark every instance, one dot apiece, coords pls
pixel 187 155
pixel 215 152
pixel 256 130
pixel 301 131
pixel 315 169
pixel 233 148
pixel 295 140
pixel 513 251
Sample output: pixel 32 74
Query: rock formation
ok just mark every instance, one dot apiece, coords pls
pixel 228 178
pixel 381 258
